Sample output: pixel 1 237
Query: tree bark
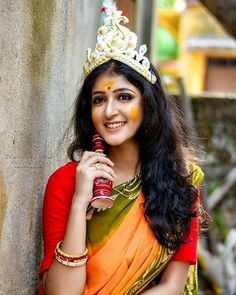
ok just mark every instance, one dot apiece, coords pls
pixel 224 11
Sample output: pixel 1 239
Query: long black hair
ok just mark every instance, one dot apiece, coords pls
pixel 164 152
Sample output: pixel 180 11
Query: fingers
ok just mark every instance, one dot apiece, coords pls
pixel 104 174
pixel 93 157
pixel 87 154
pixel 99 167
pixel 89 213
pixel 99 158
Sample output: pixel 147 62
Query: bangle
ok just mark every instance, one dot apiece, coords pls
pixel 70 263
pixel 70 260
pixel 76 256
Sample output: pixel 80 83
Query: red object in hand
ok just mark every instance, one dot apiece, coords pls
pixel 101 186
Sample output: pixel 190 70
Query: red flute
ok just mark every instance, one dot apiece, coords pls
pixel 101 186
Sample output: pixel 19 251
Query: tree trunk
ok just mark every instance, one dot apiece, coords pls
pixel 224 11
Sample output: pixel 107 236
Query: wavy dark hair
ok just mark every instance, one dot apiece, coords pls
pixel 164 151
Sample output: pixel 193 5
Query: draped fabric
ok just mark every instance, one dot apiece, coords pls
pixel 124 255
pixel 116 265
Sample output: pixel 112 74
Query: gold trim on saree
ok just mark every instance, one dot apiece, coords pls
pixel 191 286
pixel 163 257
pixel 129 189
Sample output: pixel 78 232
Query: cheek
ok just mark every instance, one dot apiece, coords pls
pixel 95 118
pixel 135 113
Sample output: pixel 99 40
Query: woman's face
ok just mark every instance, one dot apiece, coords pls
pixel 117 110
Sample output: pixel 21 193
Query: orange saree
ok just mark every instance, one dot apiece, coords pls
pixel 117 265
pixel 124 255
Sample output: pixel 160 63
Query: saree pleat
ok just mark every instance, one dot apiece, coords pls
pixel 126 258
pixel 124 255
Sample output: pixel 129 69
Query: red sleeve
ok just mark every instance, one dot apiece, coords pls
pixel 188 249
pixel 56 205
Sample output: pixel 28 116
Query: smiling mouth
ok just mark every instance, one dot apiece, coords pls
pixel 114 125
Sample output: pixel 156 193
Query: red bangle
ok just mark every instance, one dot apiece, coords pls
pixel 70 260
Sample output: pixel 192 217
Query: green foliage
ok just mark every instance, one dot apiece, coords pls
pixel 167 46
pixel 165 3
pixel 219 223
pixel 212 187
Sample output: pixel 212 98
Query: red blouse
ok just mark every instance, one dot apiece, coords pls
pixel 56 206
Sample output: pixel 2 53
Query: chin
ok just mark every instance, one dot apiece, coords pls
pixel 114 142
pixel 117 140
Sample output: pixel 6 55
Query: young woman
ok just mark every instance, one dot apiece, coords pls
pixel 151 231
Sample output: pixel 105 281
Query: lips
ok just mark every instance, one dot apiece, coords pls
pixel 114 125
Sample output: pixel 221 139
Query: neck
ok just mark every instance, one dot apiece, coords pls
pixel 126 158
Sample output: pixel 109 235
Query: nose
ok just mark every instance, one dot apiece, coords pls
pixel 111 108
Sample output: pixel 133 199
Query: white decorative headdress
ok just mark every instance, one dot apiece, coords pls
pixel 117 42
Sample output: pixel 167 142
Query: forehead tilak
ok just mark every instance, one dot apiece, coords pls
pixel 108 84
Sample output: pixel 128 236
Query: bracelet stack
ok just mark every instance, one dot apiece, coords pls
pixel 70 260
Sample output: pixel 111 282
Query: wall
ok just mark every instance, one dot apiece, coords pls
pixel 42 50
pixel 42 47
pixel 198 41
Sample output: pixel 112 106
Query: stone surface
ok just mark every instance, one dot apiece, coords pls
pixel 42 49
pixel 43 44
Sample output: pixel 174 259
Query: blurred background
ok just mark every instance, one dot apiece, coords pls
pixel 196 55
pixel 42 50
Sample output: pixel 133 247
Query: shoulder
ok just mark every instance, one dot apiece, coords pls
pixel 61 183
pixel 195 173
pixel 69 167
pixel 64 173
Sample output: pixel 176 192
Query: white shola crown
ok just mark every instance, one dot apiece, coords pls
pixel 117 42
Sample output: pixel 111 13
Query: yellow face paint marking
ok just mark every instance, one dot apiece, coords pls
pixel 108 84
pixel 135 113
pixel 95 119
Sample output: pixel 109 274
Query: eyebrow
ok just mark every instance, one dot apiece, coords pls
pixel 114 91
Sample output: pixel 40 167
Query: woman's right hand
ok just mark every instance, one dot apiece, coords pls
pixel 91 166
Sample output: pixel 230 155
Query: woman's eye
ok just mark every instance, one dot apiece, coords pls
pixel 125 96
pixel 97 100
